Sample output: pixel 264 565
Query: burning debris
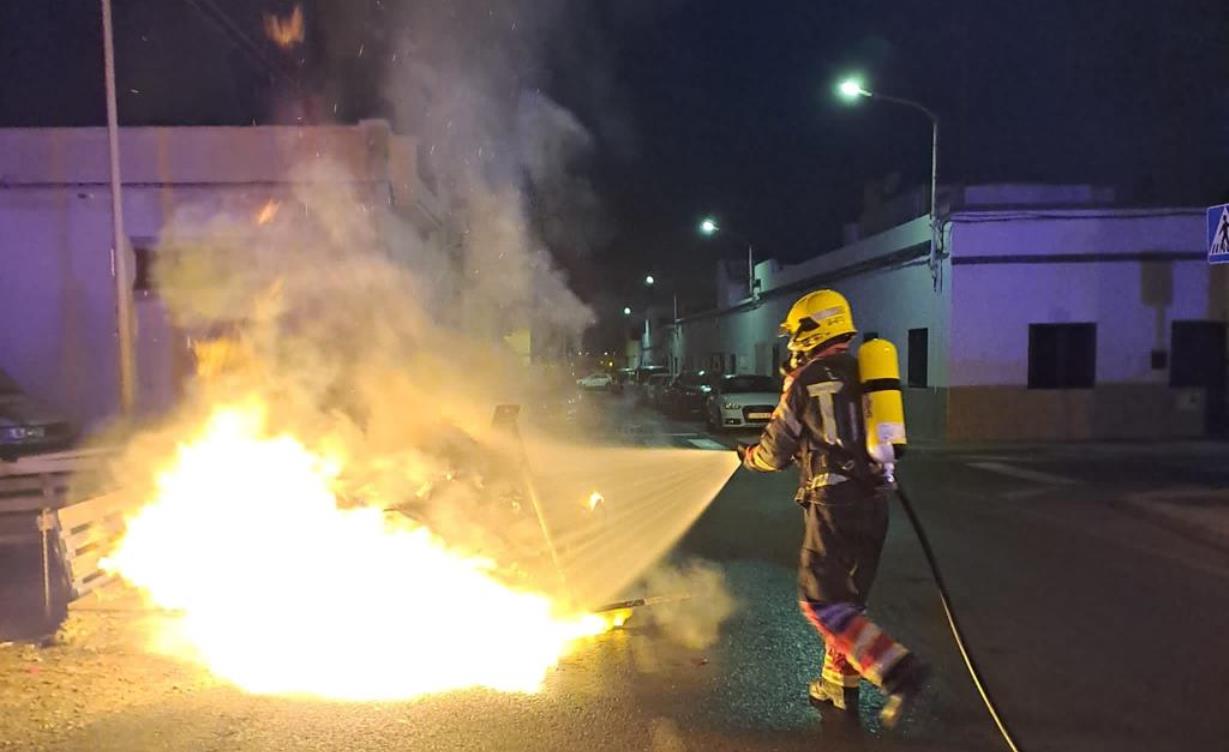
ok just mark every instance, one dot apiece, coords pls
pixel 331 510
pixel 286 32
pixel 283 591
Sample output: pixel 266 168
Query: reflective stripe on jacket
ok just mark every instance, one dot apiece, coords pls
pixel 819 424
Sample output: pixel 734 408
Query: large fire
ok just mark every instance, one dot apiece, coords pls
pixel 283 592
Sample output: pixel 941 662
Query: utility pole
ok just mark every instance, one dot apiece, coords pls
pixel 119 249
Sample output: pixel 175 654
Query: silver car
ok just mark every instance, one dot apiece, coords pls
pixel 745 401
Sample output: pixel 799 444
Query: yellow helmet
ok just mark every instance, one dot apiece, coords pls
pixel 816 318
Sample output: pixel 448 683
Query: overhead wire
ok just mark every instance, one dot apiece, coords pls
pixel 219 18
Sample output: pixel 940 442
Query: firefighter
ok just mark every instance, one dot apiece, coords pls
pixel 820 425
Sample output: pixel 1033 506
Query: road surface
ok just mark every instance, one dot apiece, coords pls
pixel 1091 580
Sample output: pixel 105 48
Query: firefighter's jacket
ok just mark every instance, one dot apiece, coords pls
pixel 819 424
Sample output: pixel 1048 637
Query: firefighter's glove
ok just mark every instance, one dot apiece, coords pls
pixel 743 451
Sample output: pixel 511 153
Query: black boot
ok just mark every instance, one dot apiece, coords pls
pixel 902 685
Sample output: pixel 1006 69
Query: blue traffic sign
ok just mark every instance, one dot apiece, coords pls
pixel 1218 234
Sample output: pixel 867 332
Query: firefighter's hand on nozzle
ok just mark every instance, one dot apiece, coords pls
pixel 742 450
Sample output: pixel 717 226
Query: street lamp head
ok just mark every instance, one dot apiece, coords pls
pixel 649 280
pixel 851 89
pixel 708 226
pixel 627 311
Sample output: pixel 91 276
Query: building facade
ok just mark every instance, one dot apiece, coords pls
pixel 1051 313
pixel 57 289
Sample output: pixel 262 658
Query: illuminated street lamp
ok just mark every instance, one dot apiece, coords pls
pixel 649 280
pixel 709 227
pixel 627 311
pixel 851 90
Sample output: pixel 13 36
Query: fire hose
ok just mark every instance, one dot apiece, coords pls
pixel 952 622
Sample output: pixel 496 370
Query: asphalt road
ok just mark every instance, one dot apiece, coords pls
pixel 1099 625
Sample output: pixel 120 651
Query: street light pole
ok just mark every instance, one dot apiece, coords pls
pixel 934 146
pixel 119 254
pixel 852 89
pixel 709 227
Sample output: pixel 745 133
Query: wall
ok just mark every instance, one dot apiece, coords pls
pixel 57 288
pixel 1131 272
pixel 1132 301
pixel 57 293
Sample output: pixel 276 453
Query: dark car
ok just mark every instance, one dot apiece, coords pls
pixel 26 426
pixel 655 389
pixel 644 373
pixel 688 392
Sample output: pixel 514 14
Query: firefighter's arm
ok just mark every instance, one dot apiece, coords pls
pixel 779 442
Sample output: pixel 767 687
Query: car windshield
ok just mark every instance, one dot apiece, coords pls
pixel 737 384
pixel 694 379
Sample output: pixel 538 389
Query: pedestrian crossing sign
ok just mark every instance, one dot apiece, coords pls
pixel 1218 234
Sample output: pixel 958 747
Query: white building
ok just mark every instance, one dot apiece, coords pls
pixel 57 291
pixel 1051 313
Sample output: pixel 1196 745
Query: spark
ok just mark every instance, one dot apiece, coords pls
pixel 267 212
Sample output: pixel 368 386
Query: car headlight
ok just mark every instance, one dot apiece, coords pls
pixel 730 405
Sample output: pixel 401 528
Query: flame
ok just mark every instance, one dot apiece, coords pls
pixel 285 32
pixel 267 212
pixel 281 592
pixel 595 499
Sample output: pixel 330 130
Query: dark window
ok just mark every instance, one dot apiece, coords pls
pixel 870 336
pixel 1062 356
pixel 733 364
pixel 143 271
pixel 1198 359
pixel 919 357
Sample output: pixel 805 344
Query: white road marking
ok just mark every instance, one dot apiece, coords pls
pixel 1021 473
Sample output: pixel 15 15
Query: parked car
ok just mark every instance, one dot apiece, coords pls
pixel 26 426
pixel 655 388
pixel 622 378
pixel 688 392
pixel 644 373
pixel 745 401
pixel 599 380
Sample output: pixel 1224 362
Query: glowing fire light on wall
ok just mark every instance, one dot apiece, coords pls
pixel 281 592
pixel 595 499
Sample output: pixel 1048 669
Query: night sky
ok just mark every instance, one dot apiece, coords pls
pixel 714 105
